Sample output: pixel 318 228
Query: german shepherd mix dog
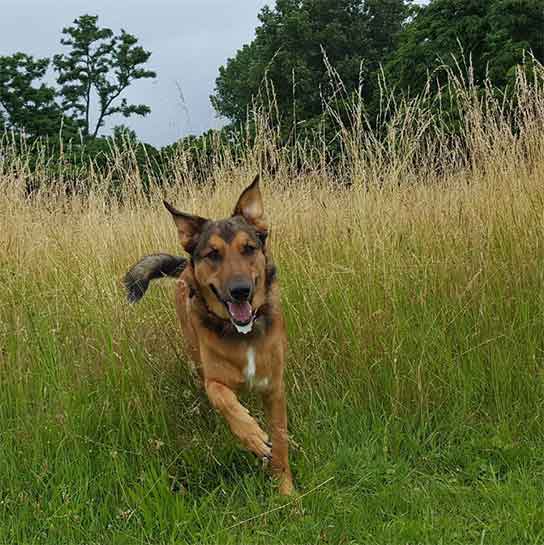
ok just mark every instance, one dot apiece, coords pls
pixel 227 301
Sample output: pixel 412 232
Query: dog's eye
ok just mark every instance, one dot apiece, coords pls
pixel 248 250
pixel 213 255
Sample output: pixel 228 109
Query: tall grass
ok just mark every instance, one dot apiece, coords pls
pixel 414 305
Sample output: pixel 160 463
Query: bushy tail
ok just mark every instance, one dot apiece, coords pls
pixel 149 268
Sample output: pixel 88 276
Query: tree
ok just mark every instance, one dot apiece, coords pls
pixel 517 27
pixel 124 135
pixel 356 36
pixel 102 65
pixel 493 34
pixel 26 103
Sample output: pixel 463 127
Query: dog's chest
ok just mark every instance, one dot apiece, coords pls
pixel 252 380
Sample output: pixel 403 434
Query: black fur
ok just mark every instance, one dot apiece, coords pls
pixel 149 268
pixel 271 275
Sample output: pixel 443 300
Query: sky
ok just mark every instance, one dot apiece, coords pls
pixel 189 40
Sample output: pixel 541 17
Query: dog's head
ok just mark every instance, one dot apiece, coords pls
pixel 228 257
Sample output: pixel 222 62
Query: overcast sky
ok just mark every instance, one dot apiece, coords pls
pixel 189 40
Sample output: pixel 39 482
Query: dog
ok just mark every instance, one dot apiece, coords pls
pixel 228 303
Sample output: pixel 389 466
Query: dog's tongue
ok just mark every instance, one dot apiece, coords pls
pixel 241 312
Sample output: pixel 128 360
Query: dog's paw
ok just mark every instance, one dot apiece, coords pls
pixel 286 487
pixel 257 442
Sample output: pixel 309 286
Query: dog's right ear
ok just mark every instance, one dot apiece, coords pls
pixel 189 227
pixel 250 207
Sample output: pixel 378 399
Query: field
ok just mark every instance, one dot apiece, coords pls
pixel 415 310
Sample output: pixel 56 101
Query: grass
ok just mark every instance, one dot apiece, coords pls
pixel 415 376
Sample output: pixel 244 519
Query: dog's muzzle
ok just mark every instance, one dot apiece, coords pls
pixel 238 304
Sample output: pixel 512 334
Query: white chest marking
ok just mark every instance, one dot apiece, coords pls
pixel 250 367
pixel 249 372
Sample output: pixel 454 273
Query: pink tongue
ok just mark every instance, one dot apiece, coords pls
pixel 241 312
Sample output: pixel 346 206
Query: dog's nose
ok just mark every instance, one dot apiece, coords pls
pixel 240 290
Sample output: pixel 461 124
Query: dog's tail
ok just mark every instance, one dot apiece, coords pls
pixel 149 268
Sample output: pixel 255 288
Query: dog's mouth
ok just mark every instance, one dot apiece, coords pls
pixel 241 314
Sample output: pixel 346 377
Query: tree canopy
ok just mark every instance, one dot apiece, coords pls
pixel 359 36
pixel 99 61
pixel 26 103
pixel 288 50
pixel 97 68
pixel 494 35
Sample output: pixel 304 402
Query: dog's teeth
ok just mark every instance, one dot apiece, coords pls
pixel 244 329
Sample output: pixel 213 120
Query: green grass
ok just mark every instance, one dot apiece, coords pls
pixel 415 381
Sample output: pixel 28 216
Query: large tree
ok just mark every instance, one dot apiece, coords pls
pixel 289 47
pixel 494 35
pixel 99 66
pixel 26 103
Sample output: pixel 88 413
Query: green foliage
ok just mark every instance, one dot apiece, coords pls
pixel 99 65
pixel 494 35
pixel 310 56
pixel 288 52
pixel 102 63
pixel 124 135
pixel 201 154
pixel 26 103
pixel 115 159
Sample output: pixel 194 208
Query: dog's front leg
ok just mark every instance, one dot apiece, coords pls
pixel 241 423
pixel 276 410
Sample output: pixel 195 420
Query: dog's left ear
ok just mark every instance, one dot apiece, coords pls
pixel 250 207
pixel 189 227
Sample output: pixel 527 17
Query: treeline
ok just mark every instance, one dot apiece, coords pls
pixel 310 54
pixel 315 70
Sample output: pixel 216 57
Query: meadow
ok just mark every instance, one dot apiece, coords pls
pixel 414 304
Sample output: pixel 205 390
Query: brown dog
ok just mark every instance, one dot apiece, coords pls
pixel 227 301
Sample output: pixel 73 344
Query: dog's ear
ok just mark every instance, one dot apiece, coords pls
pixel 250 207
pixel 189 227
